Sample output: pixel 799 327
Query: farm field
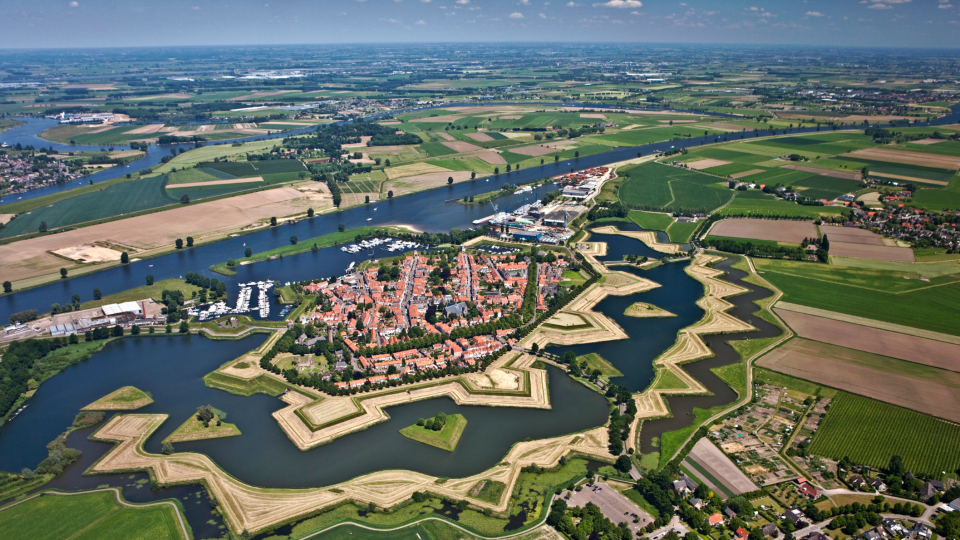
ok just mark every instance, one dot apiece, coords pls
pixel 89 516
pixel 875 340
pixel 899 382
pixel 764 229
pixel 122 198
pixel 708 463
pixel 677 231
pixel 764 208
pixel 871 432
pixel 668 187
pixel 873 294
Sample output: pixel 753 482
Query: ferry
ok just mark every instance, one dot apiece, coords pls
pixel 369 219
pixel 18 411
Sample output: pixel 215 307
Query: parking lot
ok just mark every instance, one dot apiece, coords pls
pixel 616 507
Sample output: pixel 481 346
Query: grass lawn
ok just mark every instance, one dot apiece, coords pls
pixel 194 430
pixel 651 221
pixel 672 188
pixel 490 491
pixel 874 294
pixel 595 361
pixel 154 291
pixel 680 231
pixel 305 245
pixel 670 381
pixel 46 200
pixel 734 375
pixel 764 376
pixel 769 208
pixel 89 516
pixel 445 439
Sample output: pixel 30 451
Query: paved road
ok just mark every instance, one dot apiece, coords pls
pixel 614 505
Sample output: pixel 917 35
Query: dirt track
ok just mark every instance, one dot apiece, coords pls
pixel 765 229
pixel 796 359
pixel 884 342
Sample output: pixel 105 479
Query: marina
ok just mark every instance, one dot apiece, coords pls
pixel 219 309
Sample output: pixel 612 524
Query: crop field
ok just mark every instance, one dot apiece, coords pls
pixel 275 166
pixel 673 188
pixel 93 515
pixel 191 176
pixel 774 208
pixel 360 186
pixel 123 198
pixel 765 229
pixel 883 295
pixel 902 171
pixel 233 168
pixel 871 432
pixel 646 136
pixel 436 149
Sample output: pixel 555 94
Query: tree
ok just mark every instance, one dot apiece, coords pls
pixel 135 330
pixel 576 154
pixel 293 240
pixel 341 227
pixel 496 170
pixel 309 212
pixel 97 295
pixel 390 194
pixel 205 414
pixel 7 287
pixel 63 273
pixel 179 243
pixel 185 199
pixel 149 279
pixel 366 199
pixel 184 327
pixel 449 180
pixel 569 357
pixel 386 163
pixel 43 226
pixel 535 348
pixel 273 222
pixel 125 257
pixel 247 252
pixel 167 448
pixel 116 331
pixel 624 464
pixel 473 175
pixel 556 157
pixel 189 241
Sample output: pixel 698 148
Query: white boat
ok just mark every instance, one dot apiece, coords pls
pixel 369 219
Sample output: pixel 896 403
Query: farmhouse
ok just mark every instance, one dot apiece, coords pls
pixel 685 485
pixel 715 519
pixel 929 489
pixel 770 530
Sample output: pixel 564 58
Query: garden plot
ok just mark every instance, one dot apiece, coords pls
pixel 765 229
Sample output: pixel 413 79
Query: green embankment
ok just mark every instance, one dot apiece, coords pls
pixel 596 362
pixel 304 245
pixel 154 291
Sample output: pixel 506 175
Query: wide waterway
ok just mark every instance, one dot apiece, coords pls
pixel 427 211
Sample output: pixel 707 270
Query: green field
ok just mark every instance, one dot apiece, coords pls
pixel 188 176
pixel 92 516
pixel 677 231
pixel 871 293
pixel 749 205
pixel 122 198
pixel 595 361
pixel 673 188
pixel 871 432
pixel 445 439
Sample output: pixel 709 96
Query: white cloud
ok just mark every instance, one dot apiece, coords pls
pixel 74 4
pixel 572 4
pixel 195 8
pixel 634 12
pixel 463 2
pixel 752 8
pixel 425 1
pixel 879 6
pixel 945 6
pixel 420 23
pixel 884 4
pixel 542 16
pixel 524 2
pixel 621 4
pixel 516 15
pixel 814 14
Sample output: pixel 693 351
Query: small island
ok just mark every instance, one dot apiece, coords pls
pixel 442 431
pixel 639 309
pixel 127 398
pixel 207 423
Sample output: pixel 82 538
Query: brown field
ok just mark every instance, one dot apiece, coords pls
pixel 851 235
pixel 491 157
pixel 108 86
pixel 149 128
pixel 389 123
pixel 411 184
pixel 724 126
pixel 219 182
pixel 909 158
pixel 479 137
pixel 215 219
pixel 461 146
pixel 823 364
pixel 766 229
pixel 445 136
pixel 711 458
pixel 89 253
pixel 541 149
pixel 927 141
pixel 5 218
pixel 909 178
pixel 593 115
pixel 701 164
pixel 440 119
pixel 511 117
pixel 824 172
pixel 874 340
pixel 361 144
pixel 747 173
pixel 678 121
pixel 865 251
pixel 180 95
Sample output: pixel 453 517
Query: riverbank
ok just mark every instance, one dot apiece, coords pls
pixel 320 242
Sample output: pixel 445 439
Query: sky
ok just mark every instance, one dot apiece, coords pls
pixel 126 23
